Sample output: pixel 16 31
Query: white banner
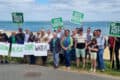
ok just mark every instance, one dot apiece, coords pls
pixel 17 50
pixel 29 48
pixel 4 48
pixel 41 49
pixel 37 49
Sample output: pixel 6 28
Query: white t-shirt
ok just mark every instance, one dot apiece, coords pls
pixel 26 37
pixel 60 34
pixel 80 38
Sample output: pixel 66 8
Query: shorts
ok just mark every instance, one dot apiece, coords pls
pixel 80 52
pixel 93 55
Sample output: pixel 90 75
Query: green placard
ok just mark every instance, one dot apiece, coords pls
pixel 17 17
pixel 77 17
pixel 115 29
pixel 57 22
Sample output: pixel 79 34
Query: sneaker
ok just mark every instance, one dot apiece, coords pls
pixel 1 62
pixel 83 66
pixel 91 69
pixel 6 62
pixel 55 66
pixel 68 68
pixel 102 70
pixel 94 70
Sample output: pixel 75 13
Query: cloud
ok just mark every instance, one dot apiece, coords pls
pixel 15 1
pixel 93 9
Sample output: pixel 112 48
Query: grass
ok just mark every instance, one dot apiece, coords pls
pixel 108 69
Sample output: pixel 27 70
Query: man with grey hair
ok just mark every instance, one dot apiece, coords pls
pixel 27 34
pixel 60 34
pixel 55 49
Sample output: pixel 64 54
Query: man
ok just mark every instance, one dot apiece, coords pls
pixel 27 57
pixel 20 36
pixel 89 38
pixel 80 45
pixel 100 42
pixel 55 48
pixel 60 34
pixel 27 34
pixel 111 41
pixel 117 47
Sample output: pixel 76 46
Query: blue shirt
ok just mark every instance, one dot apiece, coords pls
pixel 100 42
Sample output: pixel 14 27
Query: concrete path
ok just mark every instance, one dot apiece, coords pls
pixel 35 72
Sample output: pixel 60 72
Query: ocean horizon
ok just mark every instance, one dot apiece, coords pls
pixel 36 26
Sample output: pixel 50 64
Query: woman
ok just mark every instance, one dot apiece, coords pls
pixel 31 37
pixel 93 48
pixel 73 57
pixel 66 44
pixel 43 39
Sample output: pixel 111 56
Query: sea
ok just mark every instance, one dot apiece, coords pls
pixel 36 26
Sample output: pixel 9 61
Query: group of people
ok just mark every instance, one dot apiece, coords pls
pixel 67 45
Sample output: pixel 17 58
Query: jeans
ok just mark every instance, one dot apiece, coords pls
pixel 72 54
pixel 100 60
pixel 67 58
pixel 56 58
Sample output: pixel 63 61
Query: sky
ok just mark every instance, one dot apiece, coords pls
pixel 44 10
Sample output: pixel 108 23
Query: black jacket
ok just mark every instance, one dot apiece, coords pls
pixel 20 38
pixel 31 38
pixel 3 37
pixel 117 44
pixel 57 47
